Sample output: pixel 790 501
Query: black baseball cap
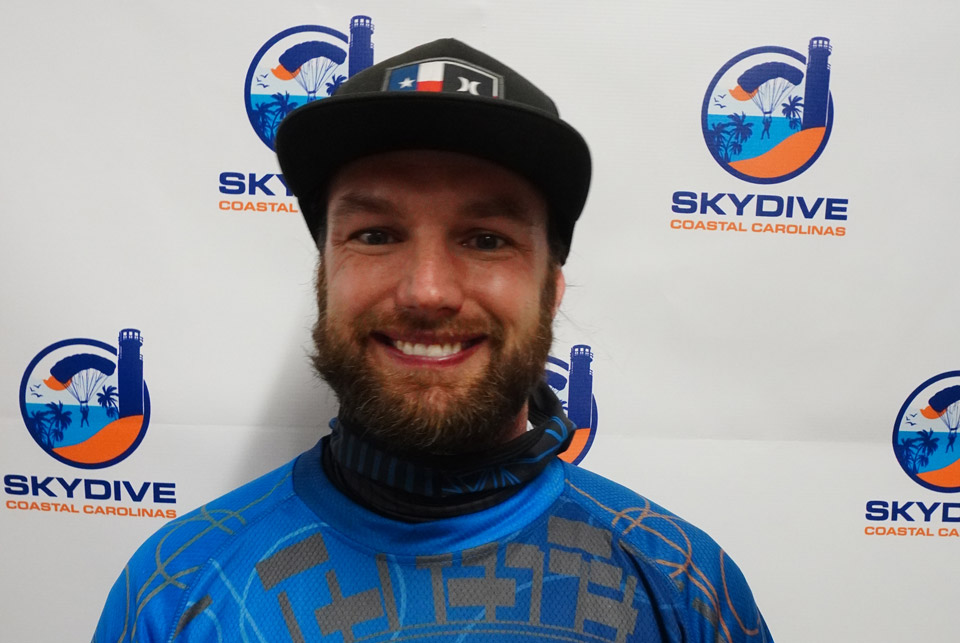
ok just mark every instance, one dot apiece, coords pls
pixel 444 95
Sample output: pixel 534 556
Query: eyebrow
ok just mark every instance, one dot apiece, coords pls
pixel 360 203
pixel 506 206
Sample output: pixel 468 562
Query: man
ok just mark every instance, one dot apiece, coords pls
pixel 441 188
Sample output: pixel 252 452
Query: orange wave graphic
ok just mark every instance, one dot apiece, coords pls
pixel 56 385
pixel 948 476
pixel 281 72
pixel 741 94
pixel 576 445
pixel 106 444
pixel 789 155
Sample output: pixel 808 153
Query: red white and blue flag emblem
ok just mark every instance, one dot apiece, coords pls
pixel 447 76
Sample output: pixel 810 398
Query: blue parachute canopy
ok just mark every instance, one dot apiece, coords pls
pixel 765 84
pixel 555 380
pixel 757 75
pixel 65 369
pixel 945 398
pixel 294 58
pixel 84 372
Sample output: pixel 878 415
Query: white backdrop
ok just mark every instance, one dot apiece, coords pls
pixel 748 381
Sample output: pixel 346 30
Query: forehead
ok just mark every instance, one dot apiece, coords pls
pixel 412 177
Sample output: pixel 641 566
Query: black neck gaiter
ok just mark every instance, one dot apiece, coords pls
pixel 419 489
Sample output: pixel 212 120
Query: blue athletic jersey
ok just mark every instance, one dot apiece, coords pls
pixel 571 557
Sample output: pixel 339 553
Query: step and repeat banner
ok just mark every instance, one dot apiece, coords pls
pixel 759 330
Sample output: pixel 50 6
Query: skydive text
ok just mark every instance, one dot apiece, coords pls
pixel 760 205
pixel 251 183
pixel 89 489
pixel 911 511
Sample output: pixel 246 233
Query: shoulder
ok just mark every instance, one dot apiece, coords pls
pixel 151 593
pixel 706 588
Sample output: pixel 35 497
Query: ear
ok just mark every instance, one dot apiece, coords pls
pixel 561 287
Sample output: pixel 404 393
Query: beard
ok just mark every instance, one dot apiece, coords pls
pixel 423 411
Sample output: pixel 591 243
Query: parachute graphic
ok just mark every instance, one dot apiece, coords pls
pixel 309 63
pixel 765 84
pixel 946 406
pixel 80 375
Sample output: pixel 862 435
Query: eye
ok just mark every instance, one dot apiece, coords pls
pixel 486 241
pixel 374 237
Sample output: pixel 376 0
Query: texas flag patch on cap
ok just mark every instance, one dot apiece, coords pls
pixel 444 75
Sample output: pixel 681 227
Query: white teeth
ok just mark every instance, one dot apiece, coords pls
pixel 427 350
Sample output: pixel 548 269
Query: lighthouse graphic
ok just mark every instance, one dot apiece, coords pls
pixel 816 95
pixel 361 44
pixel 573 384
pixel 85 402
pixel 768 113
pixel 130 373
pixel 580 397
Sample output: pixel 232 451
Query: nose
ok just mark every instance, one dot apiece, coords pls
pixel 430 284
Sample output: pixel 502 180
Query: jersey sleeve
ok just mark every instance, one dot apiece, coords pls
pixel 688 575
pixel 143 602
pixel 721 605
pixel 155 596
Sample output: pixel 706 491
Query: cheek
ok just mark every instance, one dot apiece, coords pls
pixel 354 287
pixel 511 296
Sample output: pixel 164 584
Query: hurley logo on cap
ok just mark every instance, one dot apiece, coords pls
pixel 444 75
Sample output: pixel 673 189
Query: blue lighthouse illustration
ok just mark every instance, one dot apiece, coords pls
pixel 361 43
pixel 130 373
pixel 580 396
pixel 816 96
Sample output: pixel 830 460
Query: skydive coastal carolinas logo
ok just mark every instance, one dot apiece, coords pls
pixel 766 118
pixel 925 446
pixel 768 113
pixel 925 434
pixel 85 403
pixel 573 384
pixel 301 65
pixel 295 67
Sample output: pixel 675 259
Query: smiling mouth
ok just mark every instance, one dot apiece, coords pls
pixel 428 349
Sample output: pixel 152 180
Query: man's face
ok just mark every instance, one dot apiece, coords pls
pixel 436 295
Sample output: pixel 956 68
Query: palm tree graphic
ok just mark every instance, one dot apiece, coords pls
pixel 792 109
pixel 38 425
pixel 727 138
pixel 914 453
pixel 278 108
pixel 263 118
pixel 926 447
pixel 60 420
pixel 741 130
pixel 335 83
pixel 719 141
pixel 107 398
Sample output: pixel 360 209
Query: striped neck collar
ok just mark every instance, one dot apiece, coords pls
pixel 444 486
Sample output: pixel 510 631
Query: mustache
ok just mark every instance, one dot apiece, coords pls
pixel 405 323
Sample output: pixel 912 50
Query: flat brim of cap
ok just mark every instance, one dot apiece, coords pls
pixel 318 139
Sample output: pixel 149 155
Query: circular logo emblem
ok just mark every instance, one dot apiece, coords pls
pixel 573 384
pixel 925 434
pixel 84 402
pixel 768 112
pixel 297 66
